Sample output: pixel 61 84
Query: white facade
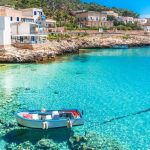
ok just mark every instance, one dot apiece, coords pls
pixel 23 28
pixel 35 13
pixel 5 36
pixel 140 21
pixel 147 28
pixel 125 20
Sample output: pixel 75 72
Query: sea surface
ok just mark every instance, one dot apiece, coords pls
pixel 112 86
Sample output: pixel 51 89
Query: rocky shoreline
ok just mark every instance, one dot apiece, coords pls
pixel 51 49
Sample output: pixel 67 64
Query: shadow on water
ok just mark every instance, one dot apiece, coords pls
pixel 81 58
pixel 125 116
pixel 33 135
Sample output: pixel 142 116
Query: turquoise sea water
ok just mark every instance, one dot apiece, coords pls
pixel 105 83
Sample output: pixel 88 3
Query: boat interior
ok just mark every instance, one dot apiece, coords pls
pixel 51 115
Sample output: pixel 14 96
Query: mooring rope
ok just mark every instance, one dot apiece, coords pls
pixel 119 117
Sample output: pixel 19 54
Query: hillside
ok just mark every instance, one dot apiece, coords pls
pixel 61 9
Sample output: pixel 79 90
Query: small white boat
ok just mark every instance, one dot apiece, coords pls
pixel 49 118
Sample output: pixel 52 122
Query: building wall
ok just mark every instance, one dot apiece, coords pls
pixel 91 16
pixel 125 20
pixel 23 28
pixel 5 37
pixel 27 12
pixel 14 15
pixel 32 12
pixel 147 28
pixel 98 24
pixel 93 19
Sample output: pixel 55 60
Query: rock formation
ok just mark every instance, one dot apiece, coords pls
pixel 51 49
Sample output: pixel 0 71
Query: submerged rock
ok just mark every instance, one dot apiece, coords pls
pixel 23 146
pixel 93 141
pixel 56 92
pixel 46 144
pixel 48 51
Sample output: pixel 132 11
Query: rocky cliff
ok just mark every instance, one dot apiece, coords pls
pixel 51 49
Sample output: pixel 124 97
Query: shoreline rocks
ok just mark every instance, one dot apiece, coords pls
pixel 51 49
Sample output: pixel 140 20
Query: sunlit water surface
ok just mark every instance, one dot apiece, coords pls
pixel 105 84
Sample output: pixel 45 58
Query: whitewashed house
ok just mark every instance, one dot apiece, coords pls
pixel 125 20
pixel 147 27
pixel 141 21
pixel 23 26
pixel 38 16
pixel 35 13
pixel 26 33
pixel 5 36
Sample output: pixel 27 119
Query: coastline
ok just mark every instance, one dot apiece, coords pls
pixel 51 49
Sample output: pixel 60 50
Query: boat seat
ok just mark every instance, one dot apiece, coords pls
pixel 28 116
pixel 35 116
pixel 55 113
pixel 48 117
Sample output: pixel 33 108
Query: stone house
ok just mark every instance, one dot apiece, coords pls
pixel 92 19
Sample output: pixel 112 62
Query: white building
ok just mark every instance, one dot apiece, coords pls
pixel 140 21
pixel 24 26
pixel 35 13
pixel 147 27
pixel 14 15
pixel 5 36
pixel 20 28
pixel 125 20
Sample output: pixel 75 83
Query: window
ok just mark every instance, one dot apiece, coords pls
pixel 35 13
pixel 41 13
pixel 97 18
pixel 17 18
pixel 11 18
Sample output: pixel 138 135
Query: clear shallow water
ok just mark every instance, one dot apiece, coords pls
pixel 106 84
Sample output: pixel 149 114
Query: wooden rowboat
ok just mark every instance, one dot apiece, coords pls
pixel 49 118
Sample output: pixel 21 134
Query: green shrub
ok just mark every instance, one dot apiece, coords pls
pixel 58 36
pixel 126 37
pixel 71 26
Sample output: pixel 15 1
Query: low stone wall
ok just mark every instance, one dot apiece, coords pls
pixel 4 46
pixel 49 50
pixel 29 46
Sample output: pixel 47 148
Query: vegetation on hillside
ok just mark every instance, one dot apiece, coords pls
pixel 61 10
